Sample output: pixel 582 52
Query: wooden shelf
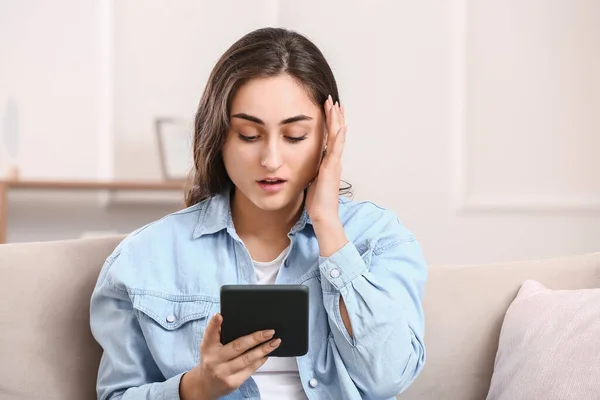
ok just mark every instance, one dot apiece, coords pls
pixel 93 185
pixel 8 185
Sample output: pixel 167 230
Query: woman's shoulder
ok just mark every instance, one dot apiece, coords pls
pixel 358 209
pixel 175 225
pixel 368 218
pixel 150 247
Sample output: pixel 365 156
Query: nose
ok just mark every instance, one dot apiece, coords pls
pixel 272 157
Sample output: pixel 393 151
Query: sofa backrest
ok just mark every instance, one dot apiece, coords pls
pixel 47 350
pixel 464 310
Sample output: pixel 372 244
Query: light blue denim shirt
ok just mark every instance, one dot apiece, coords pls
pixel 161 285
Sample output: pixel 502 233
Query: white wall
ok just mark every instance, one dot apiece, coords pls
pixel 49 64
pixel 474 121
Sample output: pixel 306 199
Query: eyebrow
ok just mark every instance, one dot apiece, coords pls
pixel 259 121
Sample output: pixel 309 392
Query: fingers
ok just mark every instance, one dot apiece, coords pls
pixel 336 129
pixel 334 125
pixel 245 343
pixel 212 333
pixel 330 108
pixel 328 104
pixel 338 146
pixel 334 120
pixel 250 359
pixel 223 368
pixel 242 376
pixel 330 115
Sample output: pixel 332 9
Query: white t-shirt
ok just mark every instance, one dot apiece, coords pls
pixel 278 378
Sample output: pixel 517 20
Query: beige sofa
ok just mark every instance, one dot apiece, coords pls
pixel 47 351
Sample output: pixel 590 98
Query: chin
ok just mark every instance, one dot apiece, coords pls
pixel 274 203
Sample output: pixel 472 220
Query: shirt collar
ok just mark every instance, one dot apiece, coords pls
pixel 216 216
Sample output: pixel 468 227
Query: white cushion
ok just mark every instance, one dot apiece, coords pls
pixel 549 346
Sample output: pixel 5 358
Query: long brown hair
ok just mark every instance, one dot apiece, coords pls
pixel 261 53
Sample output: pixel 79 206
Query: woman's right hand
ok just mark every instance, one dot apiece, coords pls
pixel 223 368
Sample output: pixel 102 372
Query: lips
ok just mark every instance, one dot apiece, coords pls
pixel 272 181
pixel 272 185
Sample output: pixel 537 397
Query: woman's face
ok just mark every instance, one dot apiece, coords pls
pixel 274 147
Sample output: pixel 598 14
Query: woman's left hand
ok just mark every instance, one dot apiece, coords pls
pixel 323 193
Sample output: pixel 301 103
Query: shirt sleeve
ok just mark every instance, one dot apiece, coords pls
pixel 382 288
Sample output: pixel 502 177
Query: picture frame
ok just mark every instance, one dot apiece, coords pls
pixel 174 137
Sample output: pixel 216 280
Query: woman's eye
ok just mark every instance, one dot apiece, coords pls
pixel 294 139
pixel 247 138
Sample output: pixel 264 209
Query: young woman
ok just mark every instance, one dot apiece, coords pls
pixel 264 207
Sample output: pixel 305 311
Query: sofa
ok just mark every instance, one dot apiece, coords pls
pixel 47 351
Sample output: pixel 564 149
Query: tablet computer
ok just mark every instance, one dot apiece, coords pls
pixel 250 308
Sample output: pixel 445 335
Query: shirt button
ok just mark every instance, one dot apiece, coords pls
pixel 313 383
pixel 334 273
pixel 170 318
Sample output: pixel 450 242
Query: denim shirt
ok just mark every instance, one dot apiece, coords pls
pixel 160 286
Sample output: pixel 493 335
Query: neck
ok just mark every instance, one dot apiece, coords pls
pixel 251 220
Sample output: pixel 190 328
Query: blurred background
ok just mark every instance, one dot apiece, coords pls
pixel 476 121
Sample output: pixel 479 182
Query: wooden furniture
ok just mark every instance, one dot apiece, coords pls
pixel 54 185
